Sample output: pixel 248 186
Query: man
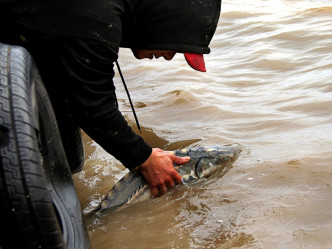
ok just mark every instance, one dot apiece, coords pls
pixel 75 44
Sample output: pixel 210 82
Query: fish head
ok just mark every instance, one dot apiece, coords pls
pixel 218 158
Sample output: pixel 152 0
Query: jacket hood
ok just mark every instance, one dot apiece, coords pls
pixel 181 26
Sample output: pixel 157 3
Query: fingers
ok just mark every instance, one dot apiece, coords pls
pixel 170 184
pixel 159 172
pixel 165 185
pixel 162 189
pixel 177 178
pixel 181 160
pixel 154 191
pixel 158 190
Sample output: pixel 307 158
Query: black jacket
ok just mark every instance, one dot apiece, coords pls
pixel 76 42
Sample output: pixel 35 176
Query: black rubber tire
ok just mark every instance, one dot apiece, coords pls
pixel 39 206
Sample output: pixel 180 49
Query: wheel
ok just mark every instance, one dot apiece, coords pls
pixel 39 206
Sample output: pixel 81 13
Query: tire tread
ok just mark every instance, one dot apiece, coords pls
pixel 22 186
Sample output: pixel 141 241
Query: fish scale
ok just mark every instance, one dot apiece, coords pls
pixel 204 161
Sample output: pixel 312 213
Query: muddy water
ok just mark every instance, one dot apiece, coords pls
pixel 269 88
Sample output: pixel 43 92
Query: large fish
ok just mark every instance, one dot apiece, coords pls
pixel 203 162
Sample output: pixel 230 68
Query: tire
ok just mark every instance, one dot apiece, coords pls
pixel 39 206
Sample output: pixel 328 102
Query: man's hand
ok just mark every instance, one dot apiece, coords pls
pixel 159 173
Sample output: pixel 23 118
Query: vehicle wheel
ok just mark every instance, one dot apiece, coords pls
pixel 39 206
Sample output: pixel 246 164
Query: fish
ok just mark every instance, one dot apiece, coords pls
pixel 204 161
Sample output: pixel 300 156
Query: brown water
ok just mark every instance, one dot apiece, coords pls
pixel 269 88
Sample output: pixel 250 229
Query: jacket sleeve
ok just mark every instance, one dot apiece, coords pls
pixel 91 95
